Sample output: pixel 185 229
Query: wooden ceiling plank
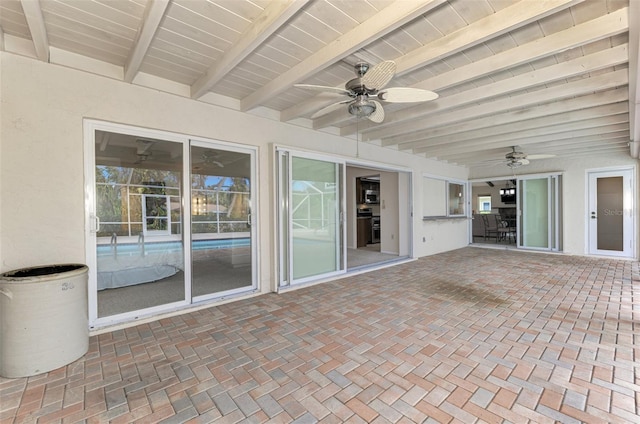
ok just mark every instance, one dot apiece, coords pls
pixel 585 33
pixel 496 157
pixel 573 150
pixel 589 101
pixel 515 16
pixel 582 65
pixel 271 19
pixel 474 34
pixel 385 21
pixel 592 126
pixel 547 134
pixel 544 147
pixel 154 13
pixel 35 20
pixel 575 88
pixel 634 84
pixel 572 116
pixel 549 147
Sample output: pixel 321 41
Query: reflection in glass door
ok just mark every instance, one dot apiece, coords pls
pixel 221 221
pixel 170 222
pixel 538 213
pixel 139 240
pixel 610 219
pixel 311 231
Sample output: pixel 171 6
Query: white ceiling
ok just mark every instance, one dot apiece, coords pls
pixel 553 77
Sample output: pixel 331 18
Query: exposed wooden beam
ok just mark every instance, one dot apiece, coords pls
pixel 634 83
pixel 152 17
pixel 35 21
pixel 560 118
pixel 516 102
pixel 494 25
pixel 548 147
pixel 587 32
pixel 383 22
pixel 592 127
pixel 577 150
pixel 548 109
pixel 270 20
pixel 581 65
pixel 588 127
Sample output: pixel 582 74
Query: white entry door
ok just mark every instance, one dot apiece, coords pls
pixel 611 227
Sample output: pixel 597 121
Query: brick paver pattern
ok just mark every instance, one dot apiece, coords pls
pixel 472 335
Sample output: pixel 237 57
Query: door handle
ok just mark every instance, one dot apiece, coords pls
pixel 96 223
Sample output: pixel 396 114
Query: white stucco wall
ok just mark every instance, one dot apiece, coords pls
pixel 42 189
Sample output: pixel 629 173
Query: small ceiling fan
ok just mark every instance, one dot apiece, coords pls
pixel 516 159
pixel 367 88
pixel 212 157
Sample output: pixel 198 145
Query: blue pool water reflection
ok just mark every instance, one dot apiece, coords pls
pixel 171 246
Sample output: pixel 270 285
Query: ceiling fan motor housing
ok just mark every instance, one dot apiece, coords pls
pixel 361 107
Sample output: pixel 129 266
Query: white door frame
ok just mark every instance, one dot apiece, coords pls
pixel 629 215
pixel 92 223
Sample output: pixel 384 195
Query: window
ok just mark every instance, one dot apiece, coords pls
pixel 456 199
pixel 484 204
pixel 442 198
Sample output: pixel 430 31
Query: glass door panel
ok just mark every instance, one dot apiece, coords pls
pixel 311 233
pixel 139 244
pixel 539 205
pixel 315 212
pixel 221 230
pixel 610 213
pixel 534 204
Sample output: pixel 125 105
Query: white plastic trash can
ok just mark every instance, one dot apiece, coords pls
pixel 44 321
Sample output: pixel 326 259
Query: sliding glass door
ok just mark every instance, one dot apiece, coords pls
pixel 311 232
pixel 169 221
pixel 221 220
pixel 538 212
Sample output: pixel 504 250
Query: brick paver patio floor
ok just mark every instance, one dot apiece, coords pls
pixel 467 336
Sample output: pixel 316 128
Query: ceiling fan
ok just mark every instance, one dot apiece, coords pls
pixel 516 159
pixel 212 157
pixel 367 88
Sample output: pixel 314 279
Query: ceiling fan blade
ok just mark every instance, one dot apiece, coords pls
pixel 330 108
pixel 380 75
pixel 325 88
pixel 378 115
pixel 541 156
pixel 406 95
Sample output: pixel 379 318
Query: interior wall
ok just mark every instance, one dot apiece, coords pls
pixel 389 213
pixel 42 213
pixel 494 192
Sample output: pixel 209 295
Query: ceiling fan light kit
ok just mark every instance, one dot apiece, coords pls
pixel 368 85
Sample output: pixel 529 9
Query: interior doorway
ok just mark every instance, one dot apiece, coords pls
pixel 378 216
pixel 518 212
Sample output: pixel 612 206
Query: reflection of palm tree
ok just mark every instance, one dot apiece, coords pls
pixel 239 206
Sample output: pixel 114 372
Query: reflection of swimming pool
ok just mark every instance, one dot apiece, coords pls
pixel 132 249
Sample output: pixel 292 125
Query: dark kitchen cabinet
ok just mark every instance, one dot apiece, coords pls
pixel 364 231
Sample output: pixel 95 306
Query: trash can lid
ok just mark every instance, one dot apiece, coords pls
pixel 42 271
